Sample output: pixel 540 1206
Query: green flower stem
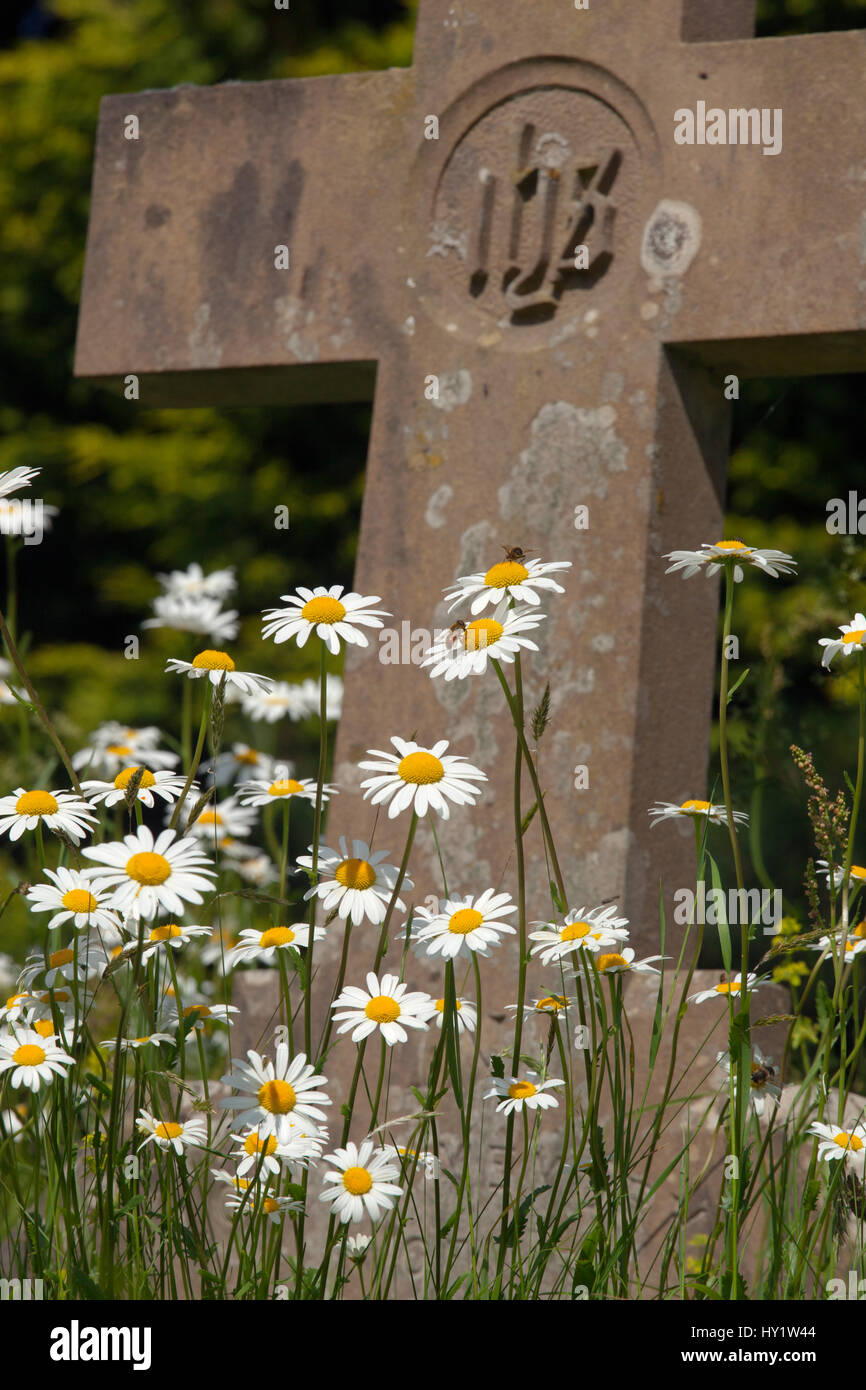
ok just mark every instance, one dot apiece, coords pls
pixel 317 830
pixel 196 757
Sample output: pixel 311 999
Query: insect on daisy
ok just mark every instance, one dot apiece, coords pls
pixel 32 1059
pixel 329 613
pixel 166 785
pixel 144 876
pixel 516 1093
pixel 762 1089
pixel 838 1143
pixel 282 789
pixel 726 988
pixel 386 1005
pixel 466 925
pixel 516 577
pixel 693 810
pixel 465 649
pixel 422 778
pixel 853 639
pixel 356 883
pixel 583 929
pixel 262 946
pixel 364 1182
pixel 171 1134
pixel 25 810
pixel 70 897
pixel 712 558
pixel 279 1094
pixel 219 667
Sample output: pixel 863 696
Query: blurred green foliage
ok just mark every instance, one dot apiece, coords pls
pixel 143 491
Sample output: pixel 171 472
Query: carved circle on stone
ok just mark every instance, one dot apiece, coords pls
pixel 539 206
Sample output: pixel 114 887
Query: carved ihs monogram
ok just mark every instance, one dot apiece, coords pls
pixel 560 229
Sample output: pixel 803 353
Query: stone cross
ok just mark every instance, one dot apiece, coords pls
pixel 514 250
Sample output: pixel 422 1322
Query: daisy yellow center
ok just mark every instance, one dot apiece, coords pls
pixel 508 572
pixel 483 632
pixel 277 1096
pixel 210 818
pixel 44 1027
pixel 213 661
pixel 168 1129
pixel 521 1090
pixel 13 1000
pixel 271 1205
pixel 575 931
pixel 78 900
pixel 610 961
pixel 696 806
pixel 323 610
pixel 148 868
pixel 276 936
pixel 287 786
pixel 123 779
pixel 440 1006
pixel 421 768
pixel 165 933
pixel 733 546
pixel 119 750
pixel 250 756
pixel 143 1039
pixel 465 920
pixel 61 996
pixel 355 873
pixel 200 1011
pixel 848 1141
pixel 723 987
pixel 254 1145
pixel 357 1181
pixel 28 1055
pixel 382 1009
pixel 857 871
pixel 857 636
pixel 61 957
pixel 860 930
pixel 36 804
pixel 553 1002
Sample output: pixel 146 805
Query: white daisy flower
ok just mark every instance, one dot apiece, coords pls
pixel 226 818
pixel 259 871
pixel 172 1134
pixel 618 962
pixel 856 872
pixel 521 579
pixel 133 1044
pixel 11 1123
pixel 194 613
pixel 71 898
pixel 144 876
pixel 553 1007
pixel 15 521
pixel 31 1058
pixel 356 1246
pixel 583 929
pixel 410 1159
pixel 15 478
pixel 282 701
pixel 356 883
pixel 170 935
pixel 238 764
pixel 329 613
pixel 113 747
pixel 466 925
pixel 712 558
pixel 762 1089
pixel 853 639
pixel 262 946
pixel 17 1005
pixel 279 1093
pixel 216 952
pixel 62 965
pixel 166 785
pixel 727 988
pixel 24 810
pixel 6 690
pixel 265 1154
pixel 516 1093
pixel 194 583
pixel 421 778
pixel 465 648
pixel 467 1014
pixel 310 699
pixel 251 1198
pixel 8 970
pixel 837 1143
pixel 266 793
pixel 854 946
pixel 717 815
pixel 363 1183
pixel 219 667
pixel 385 1005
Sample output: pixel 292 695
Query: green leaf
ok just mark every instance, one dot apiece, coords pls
pixel 86 1287
pixel 736 685
pixel 724 930
pixel 497 1067
pixel 528 818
